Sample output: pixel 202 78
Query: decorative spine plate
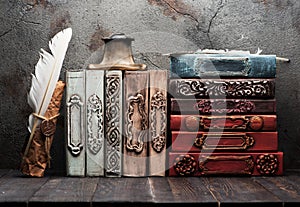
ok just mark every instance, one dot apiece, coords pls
pixel 94 124
pixel 158 120
pixel 245 169
pixel 75 124
pixel 113 123
pixel 137 123
pixel 223 88
pixel 203 141
pixel 185 165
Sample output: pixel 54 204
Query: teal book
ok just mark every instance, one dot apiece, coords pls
pixel 222 65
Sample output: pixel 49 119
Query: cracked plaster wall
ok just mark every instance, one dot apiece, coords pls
pixel 158 26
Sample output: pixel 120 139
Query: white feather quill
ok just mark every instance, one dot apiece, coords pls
pixel 47 72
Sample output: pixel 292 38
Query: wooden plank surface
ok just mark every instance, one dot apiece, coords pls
pixel 236 191
pixel 161 190
pixel 128 191
pixel 191 190
pixel 16 190
pixel 287 188
pixel 57 191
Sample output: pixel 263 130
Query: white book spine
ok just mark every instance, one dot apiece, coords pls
pixel 94 122
pixel 75 99
pixel 113 123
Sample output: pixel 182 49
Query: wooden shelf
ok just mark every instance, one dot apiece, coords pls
pixel 16 190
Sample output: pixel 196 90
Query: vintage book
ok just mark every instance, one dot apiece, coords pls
pixel 94 118
pixel 236 122
pixel 202 164
pixel 38 156
pixel 113 123
pixel 222 65
pixel 75 122
pixel 222 88
pixel 157 122
pixel 224 141
pixel 136 95
pixel 223 106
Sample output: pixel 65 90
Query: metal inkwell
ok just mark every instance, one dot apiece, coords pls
pixel 117 54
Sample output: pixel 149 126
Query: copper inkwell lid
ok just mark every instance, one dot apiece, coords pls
pixel 117 54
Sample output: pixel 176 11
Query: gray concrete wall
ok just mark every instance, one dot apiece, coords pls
pixel 158 26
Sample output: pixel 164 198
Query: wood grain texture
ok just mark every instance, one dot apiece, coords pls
pixel 226 141
pixel 122 190
pixel 222 106
pixel 16 190
pixel 191 190
pixel 161 190
pixel 57 191
pixel 286 188
pixel 229 123
pixel 236 191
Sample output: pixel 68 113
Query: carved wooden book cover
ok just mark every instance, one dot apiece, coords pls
pixel 157 122
pixel 75 122
pixel 224 141
pixel 221 65
pixel 94 122
pixel 113 123
pixel 223 106
pixel 195 123
pixel 204 164
pixel 222 88
pixel 136 123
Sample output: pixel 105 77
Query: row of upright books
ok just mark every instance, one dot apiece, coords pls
pixel 223 114
pixel 116 123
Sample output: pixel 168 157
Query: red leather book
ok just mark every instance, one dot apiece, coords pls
pixel 226 141
pixel 222 106
pixel 202 164
pixel 232 123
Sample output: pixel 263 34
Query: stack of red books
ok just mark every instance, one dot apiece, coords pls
pixel 223 115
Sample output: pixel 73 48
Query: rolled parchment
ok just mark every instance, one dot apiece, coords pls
pixel 38 157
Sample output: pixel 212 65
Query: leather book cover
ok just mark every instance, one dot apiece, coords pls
pixel 242 164
pixel 222 106
pixel 224 141
pixel 222 88
pixel 219 123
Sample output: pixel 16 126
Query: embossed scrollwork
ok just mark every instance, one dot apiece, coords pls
pixel 267 164
pixel 185 165
pixel 137 123
pixel 94 124
pixel 158 118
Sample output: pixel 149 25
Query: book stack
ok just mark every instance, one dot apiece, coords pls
pixel 223 114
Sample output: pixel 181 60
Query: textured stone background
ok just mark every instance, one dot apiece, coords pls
pixel 158 26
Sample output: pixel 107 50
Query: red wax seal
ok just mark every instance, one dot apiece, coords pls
pixel 48 127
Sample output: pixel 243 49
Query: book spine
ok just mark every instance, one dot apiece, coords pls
pixel 203 66
pixel 94 122
pixel 222 88
pixel 136 123
pixel 234 123
pixel 202 164
pixel 75 122
pixel 226 141
pixel 222 106
pixel 113 123
pixel 157 122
